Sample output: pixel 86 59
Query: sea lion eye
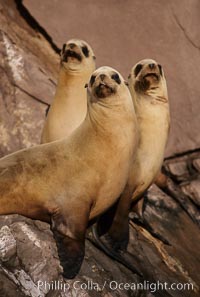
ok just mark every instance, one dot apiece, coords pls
pixel 160 69
pixel 137 69
pixel 85 51
pixel 116 78
pixel 92 80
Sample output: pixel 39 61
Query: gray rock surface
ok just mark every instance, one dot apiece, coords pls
pixel 28 66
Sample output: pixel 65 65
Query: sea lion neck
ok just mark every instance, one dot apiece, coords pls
pixel 158 94
pixel 106 113
pixel 82 69
pixel 152 96
pixel 71 79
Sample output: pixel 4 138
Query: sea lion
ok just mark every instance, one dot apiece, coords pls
pixel 71 181
pixel 148 88
pixel 69 106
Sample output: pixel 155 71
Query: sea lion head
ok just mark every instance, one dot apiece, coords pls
pixel 147 78
pixel 104 83
pixel 77 55
pixel 109 100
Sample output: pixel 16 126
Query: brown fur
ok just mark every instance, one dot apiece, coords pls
pixel 73 180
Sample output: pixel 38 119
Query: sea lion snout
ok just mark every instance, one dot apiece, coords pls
pixel 102 76
pixel 103 85
pixel 71 54
pixel 105 81
pixel 75 49
pixel 72 45
pixel 151 73
pixel 151 69
pixel 146 75
pixel 71 51
pixel 152 66
pixel 155 69
pixel 145 67
pixel 103 90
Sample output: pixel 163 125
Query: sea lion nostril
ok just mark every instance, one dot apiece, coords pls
pixel 71 45
pixel 152 66
pixel 102 76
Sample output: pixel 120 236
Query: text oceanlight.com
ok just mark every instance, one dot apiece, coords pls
pixel 114 285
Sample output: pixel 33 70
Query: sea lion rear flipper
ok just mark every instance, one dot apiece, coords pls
pixel 70 242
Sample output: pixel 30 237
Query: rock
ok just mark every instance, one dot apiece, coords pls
pixel 7 244
pixel 183 168
pixel 38 271
pixel 192 189
pixel 196 164
pixel 34 250
pixel 179 170
pixel 28 66
pixel 7 287
pixel 174 262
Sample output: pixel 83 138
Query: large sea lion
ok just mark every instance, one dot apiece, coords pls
pixel 71 181
pixel 148 88
pixel 69 106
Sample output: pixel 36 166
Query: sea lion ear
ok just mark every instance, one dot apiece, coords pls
pixel 94 57
pixel 129 76
pixel 126 83
pixel 86 86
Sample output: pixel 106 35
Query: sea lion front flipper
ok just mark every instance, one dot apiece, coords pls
pixel 119 229
pixel 69 233
pixel 71 253
pixel 114 240
pixel 114 223
pixel 105 221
